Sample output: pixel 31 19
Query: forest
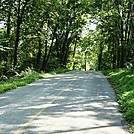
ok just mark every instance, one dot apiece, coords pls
pixel 40 36
pixel 47 34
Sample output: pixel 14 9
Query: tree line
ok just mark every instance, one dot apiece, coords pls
pixel 38 33
pixel 113 39
pixel 46 34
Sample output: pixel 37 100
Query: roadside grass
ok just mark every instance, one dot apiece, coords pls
pixel 123 83
pixel 25 78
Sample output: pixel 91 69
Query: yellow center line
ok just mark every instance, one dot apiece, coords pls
pixel 20 129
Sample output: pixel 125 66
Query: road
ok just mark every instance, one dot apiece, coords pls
pixel 76 102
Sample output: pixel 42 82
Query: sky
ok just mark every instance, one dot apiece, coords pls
pixel 1 24
pixel 87 28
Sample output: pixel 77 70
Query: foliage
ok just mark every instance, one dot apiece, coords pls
pixel 39 33
pixel 114 34
pixel 123 82
pixel 47 34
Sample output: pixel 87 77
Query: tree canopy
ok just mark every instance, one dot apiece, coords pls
pixel 47 34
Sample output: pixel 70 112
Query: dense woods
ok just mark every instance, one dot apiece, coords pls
pixel 47 34
pixel 115 34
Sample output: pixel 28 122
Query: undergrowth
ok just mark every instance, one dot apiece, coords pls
pixel 123 83
pixel 25 77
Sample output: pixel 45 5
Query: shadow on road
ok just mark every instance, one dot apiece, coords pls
pixel 88 104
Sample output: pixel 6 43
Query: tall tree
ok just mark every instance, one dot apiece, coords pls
pixel 20 7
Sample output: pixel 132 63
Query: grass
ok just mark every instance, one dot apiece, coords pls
pixel 123 83
pixel 25 78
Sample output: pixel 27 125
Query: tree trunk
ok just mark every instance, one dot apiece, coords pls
pixel 44 58
pixel 57 47
pixel 17 41
pixel 122 46
pixel 20 13
pixel 118 53
pixel 114 54
pixel 75 45
pixel 62 56
pixel 85 61
pixel 7 36
pixel 66 53
pixel 100 57
pixel 39 55
pixel 47 56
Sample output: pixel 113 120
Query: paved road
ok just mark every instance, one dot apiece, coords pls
pixel 76 102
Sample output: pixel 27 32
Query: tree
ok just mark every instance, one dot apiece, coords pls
pixel 20 7
pixel 115 21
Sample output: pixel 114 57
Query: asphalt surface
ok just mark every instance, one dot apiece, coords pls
pixel 75 102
